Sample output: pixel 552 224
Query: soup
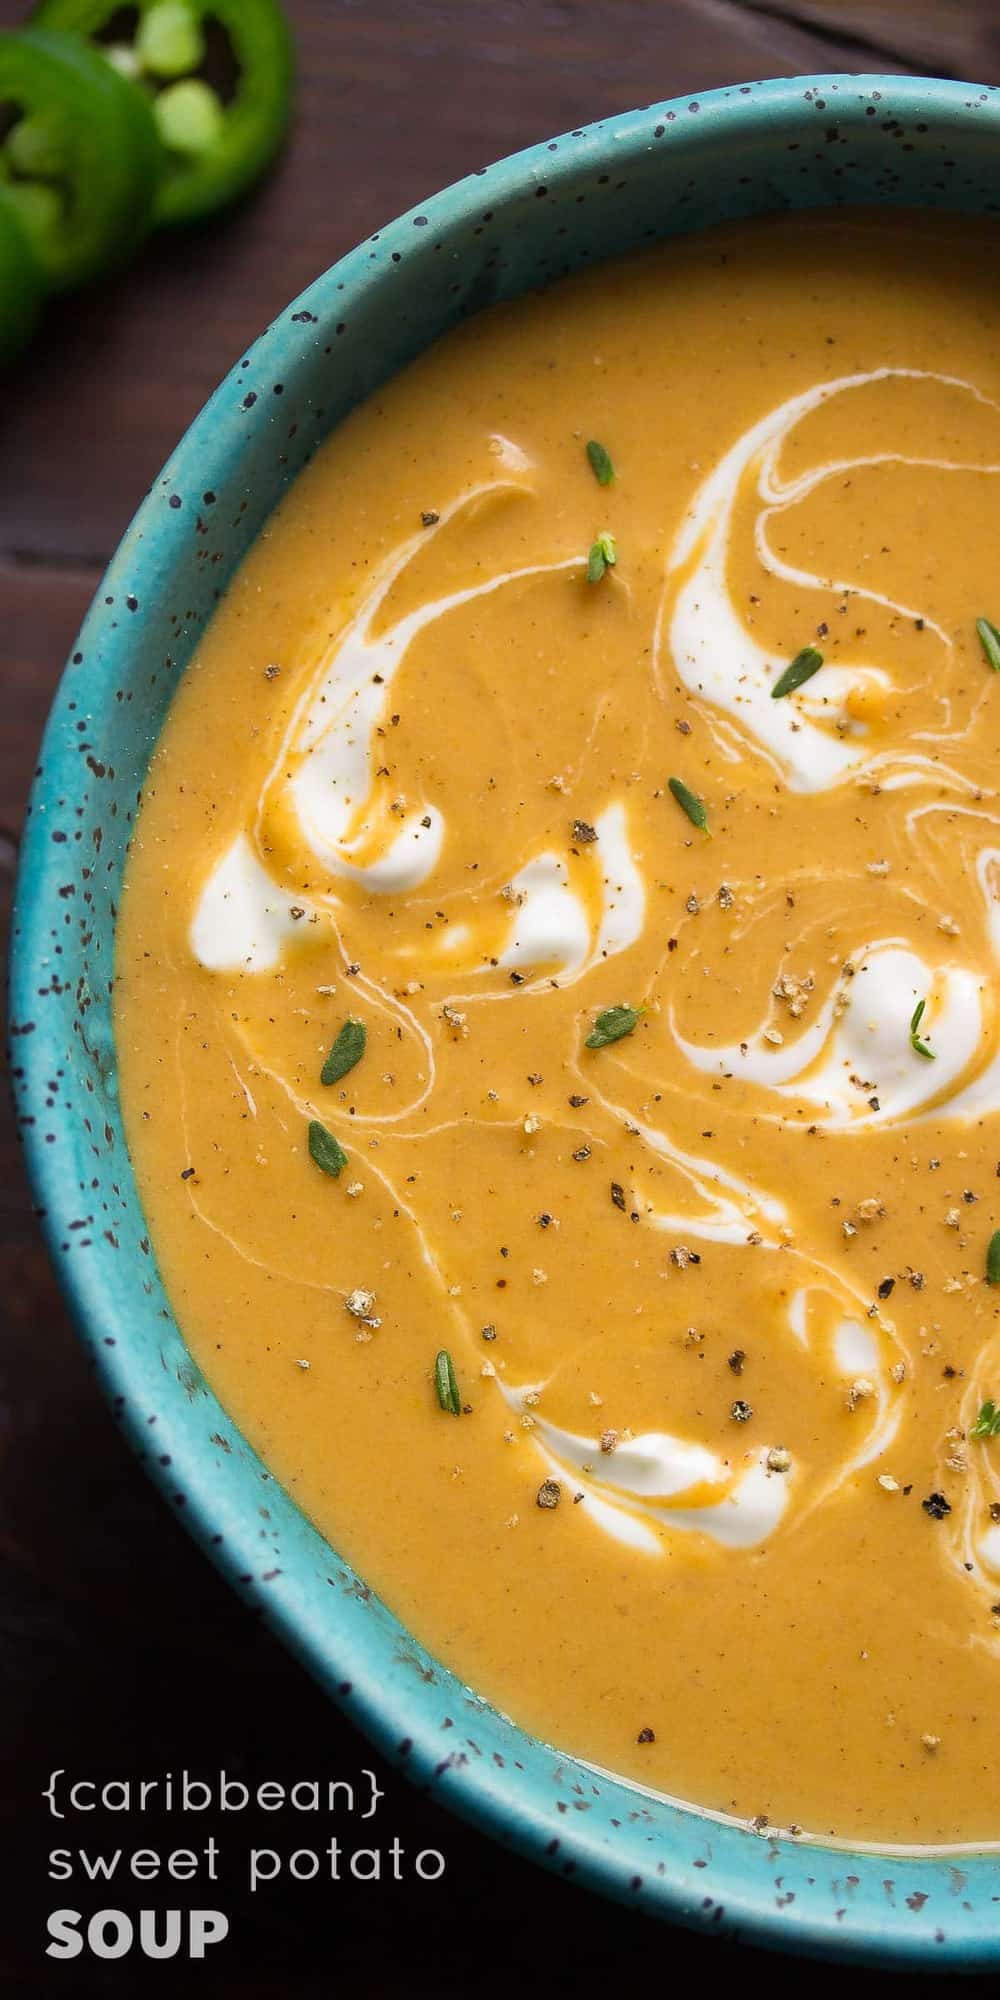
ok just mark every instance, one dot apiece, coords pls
pixel 556 1019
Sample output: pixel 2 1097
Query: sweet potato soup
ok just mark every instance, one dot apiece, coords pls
pixel 557 1022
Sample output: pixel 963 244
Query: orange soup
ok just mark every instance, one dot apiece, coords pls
pixel 556 1010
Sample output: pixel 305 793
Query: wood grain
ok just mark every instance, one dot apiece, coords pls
pixel 120 1651
pixel 945 37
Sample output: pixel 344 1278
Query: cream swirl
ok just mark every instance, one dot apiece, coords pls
pixel 714 652
pixel 853 1066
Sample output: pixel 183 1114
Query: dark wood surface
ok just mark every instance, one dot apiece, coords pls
pixel 121 1652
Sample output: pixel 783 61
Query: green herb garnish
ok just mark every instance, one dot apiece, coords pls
pixel 919 1048
pixel 600 463
pixel 612 1025
pixel 803 667
pixel 689 803
pixel 989 639
pixel 603 556
pixel 347 1050
pixel 993 1259
pixel 446 1384
pixel 327 1151
pixel 987 1424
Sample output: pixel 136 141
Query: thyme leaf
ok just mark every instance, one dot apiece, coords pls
pixel 347 1050
pixel 611 1025
pixel 327 1151
pixel 600 462
pixel 690 803
pixel 919 1047
pixel 802 668
pixel 446 1384
pixel 989 639
pixel 603 556
pixel 993 1259
pixel 987 1424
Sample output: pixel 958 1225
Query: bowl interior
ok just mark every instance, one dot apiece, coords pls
pixel 573 200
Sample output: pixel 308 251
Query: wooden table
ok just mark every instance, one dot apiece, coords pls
pixel 122 1653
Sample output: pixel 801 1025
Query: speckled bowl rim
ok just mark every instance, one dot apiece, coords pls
pixel 920 1911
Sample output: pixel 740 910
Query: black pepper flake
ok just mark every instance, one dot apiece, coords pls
pixel 995 1510
pixel 936 1506
pixel 517 979
pixel 549 1493
pixel 740 1411
pixel 577 1101
pixel 545 1220
pixel 428 518
pixel 646 1736
pixel 488 1332
pixel 886 1288
pixel 582 1153
pixel 584 832
pixel 874 1103
pixel 736 1360
pixel 187 1173
pixel 618 1195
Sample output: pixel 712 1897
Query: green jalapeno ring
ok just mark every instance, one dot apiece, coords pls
pixel 214 150
pixel 82 161
pixel 21 286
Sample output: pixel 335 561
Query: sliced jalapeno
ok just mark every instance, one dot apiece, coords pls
pixel 20 282
pixel 79 158
pixel 219 76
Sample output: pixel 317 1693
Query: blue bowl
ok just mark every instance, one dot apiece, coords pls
pixel 808 142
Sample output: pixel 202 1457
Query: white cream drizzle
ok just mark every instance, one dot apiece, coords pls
pixel 859 1046
pixel 655 1484
pixel 715 653
pixel 327 747
pixel 657 1480
pixel 646 1479
pixel 243 919
pixel 333 728
pixel 552 926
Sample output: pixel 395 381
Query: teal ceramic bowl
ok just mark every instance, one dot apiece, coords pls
pixel 808 142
